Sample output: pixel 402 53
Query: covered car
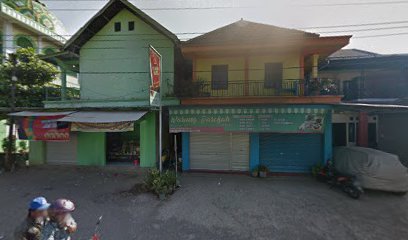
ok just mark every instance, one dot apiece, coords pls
pixel 372 168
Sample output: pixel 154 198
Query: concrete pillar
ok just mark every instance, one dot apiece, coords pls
pixel 328 138
pixel 63 84
pixel 253 151
pixel 185 141
pixel 362 140
pixel 315 66
pixel 148 140
pixel 8 38
pixel 40 45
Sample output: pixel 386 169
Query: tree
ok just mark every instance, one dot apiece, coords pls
pixel 33 75
pixel 25 76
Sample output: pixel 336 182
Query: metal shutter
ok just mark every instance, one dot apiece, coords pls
pixel 63 152
pixel 240 152
pixel 290 152
pixel 218 151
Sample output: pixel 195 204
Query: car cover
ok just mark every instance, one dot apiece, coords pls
pixel 372 168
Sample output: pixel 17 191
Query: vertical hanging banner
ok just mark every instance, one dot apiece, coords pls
pixel 155 60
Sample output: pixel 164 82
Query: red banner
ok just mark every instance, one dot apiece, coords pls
pixel 43 129
pixel 155 74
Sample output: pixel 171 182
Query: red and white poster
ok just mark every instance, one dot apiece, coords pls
pixel 43 129
pixel 155 60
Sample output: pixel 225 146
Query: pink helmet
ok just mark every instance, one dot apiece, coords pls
pixel 63 206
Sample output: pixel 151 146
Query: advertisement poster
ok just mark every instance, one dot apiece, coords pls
pixel 155 60
pixel 247 119
pixel 43 129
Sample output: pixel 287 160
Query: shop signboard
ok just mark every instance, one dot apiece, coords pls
pixel 102 127
pixel 155 60
pixel 43 128
pixel 247 119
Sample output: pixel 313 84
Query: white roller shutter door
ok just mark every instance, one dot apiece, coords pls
pixel 240 152
pixel 63 152
pixel 217 151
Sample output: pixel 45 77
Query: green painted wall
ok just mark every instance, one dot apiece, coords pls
pixel 37 154
pixel 91 149
pixel 148 140
pixel 122 57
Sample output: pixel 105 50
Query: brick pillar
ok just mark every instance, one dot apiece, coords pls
pixel 362 140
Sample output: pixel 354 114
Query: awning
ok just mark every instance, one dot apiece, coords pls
pixel 102 117
pixel 38 114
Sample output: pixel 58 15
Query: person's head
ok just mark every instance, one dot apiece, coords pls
pixel 38 208
pixel 60 209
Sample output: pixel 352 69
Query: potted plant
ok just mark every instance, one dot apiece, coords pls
pixel 255 172
pixel 263 171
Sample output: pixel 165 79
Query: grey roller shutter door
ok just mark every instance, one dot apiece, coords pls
pixel 63 152
pixel 219 151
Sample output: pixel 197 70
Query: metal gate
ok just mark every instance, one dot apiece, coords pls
pixel 219 151
pixel 63 152
pixel 290 152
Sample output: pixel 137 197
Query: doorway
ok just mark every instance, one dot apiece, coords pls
pixel 123 148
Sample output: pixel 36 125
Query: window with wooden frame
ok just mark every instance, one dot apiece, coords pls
pixel 219 77
pixel 273 75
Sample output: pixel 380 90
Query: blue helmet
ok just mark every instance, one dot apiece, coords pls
pixel 39 204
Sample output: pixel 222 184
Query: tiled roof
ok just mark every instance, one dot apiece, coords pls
pixel 246 32
pixel 352 54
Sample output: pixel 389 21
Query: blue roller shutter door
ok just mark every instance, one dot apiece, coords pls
pixel 290 152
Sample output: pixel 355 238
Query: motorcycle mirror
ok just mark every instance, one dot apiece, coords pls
pixel 99 220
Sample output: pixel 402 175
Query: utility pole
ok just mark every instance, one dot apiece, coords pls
pixel 9 157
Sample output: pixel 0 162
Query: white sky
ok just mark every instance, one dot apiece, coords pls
pixel 283 13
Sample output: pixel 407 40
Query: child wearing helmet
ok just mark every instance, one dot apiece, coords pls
pixel 61 224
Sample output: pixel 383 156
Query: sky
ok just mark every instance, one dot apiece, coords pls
pixel 378 25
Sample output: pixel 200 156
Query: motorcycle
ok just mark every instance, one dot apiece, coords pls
pixel 335 179
pixel 96 235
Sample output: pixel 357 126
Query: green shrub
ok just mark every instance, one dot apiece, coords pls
pixel 316 169
pixel 263 168
pixel 164 183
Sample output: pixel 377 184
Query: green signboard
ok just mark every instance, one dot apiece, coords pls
pixel 247 119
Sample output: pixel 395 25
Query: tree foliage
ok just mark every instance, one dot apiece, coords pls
pixel 33 76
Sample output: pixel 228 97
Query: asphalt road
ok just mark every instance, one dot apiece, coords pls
pixel 208 206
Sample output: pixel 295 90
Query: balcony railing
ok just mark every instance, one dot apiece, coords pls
pixel 241 89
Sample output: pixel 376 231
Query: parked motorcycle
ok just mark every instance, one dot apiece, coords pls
pixel 344 182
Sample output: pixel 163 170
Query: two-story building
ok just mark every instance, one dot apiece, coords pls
pixel 113 122
pixel 249 99
pixel 374 88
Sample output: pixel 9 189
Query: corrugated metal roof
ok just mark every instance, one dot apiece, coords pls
pixel 102 117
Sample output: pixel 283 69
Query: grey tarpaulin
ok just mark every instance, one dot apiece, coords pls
pixel 373 169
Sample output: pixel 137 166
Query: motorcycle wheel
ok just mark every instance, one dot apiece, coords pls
pixel 353 192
